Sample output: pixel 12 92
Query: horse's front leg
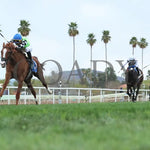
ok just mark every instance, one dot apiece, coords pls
pixel 129 93
pixel 133 95
pixel 7 78
pixel 137 92
pixel 20 83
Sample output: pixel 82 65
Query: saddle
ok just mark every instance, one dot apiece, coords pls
pixel 33 65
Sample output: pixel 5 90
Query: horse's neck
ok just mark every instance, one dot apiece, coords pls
pixel 17 56
pixel 132 76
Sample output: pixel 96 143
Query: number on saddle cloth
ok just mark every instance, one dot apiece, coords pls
pixel 34 66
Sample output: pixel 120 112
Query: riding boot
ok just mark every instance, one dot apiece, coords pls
pixel 30 59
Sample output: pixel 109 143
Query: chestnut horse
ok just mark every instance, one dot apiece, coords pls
pixel 133 81
pixel 18 67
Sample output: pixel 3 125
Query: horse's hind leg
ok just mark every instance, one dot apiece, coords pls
pixel 40 76
pixel 32 90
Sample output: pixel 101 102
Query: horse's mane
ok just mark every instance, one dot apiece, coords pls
pixel 12 47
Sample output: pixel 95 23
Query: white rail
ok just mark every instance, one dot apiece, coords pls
pixel 70 95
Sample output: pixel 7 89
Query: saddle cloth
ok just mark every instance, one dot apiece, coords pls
pixel 134 67
pixel 34 66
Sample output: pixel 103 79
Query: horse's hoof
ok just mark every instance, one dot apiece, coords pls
pixel 50 91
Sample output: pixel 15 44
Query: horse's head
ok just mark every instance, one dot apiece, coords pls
pixel 6 52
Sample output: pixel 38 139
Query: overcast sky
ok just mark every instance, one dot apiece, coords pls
pixel 49 21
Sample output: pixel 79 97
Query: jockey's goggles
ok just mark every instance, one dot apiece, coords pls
pixel 17 41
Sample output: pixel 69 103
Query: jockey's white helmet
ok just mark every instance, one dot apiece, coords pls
pixel 131 59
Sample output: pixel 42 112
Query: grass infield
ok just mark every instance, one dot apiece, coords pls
pixel 95 126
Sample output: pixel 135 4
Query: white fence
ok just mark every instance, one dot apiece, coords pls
pixel 70 95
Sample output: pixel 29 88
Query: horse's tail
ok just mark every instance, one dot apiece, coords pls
pixel 40 75
pixel 42 65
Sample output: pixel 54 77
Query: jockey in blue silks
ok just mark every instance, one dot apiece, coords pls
pixel 132 63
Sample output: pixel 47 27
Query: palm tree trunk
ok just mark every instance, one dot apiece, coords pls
pixel 142 59
pixel 91 67
pixel 73 58
pixel 133 52
pixel 106 64
pixel 73 50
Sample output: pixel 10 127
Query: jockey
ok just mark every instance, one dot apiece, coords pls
pixel 132 63
pixel 23 43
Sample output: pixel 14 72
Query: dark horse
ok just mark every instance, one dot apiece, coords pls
pixel 18 67
pixel 133 81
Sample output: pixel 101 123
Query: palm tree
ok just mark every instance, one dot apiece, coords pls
pixel 24 28
pixel 106 38
pixel 142 44
pixel 73 32
pixel 91 41
pixel 133 42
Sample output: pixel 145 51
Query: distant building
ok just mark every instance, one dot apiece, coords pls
pixel 123 86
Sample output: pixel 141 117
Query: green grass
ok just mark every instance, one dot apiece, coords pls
pixel 109 126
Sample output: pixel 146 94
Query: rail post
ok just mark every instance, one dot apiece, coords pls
pixel 8 96
pixel 90 99
pixel 78 95
pixel 67 96
pixel 53 96
pixel 60 100
pixel 39 95
pixel 115 95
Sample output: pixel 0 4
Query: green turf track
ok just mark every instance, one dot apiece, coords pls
pixel 96 126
